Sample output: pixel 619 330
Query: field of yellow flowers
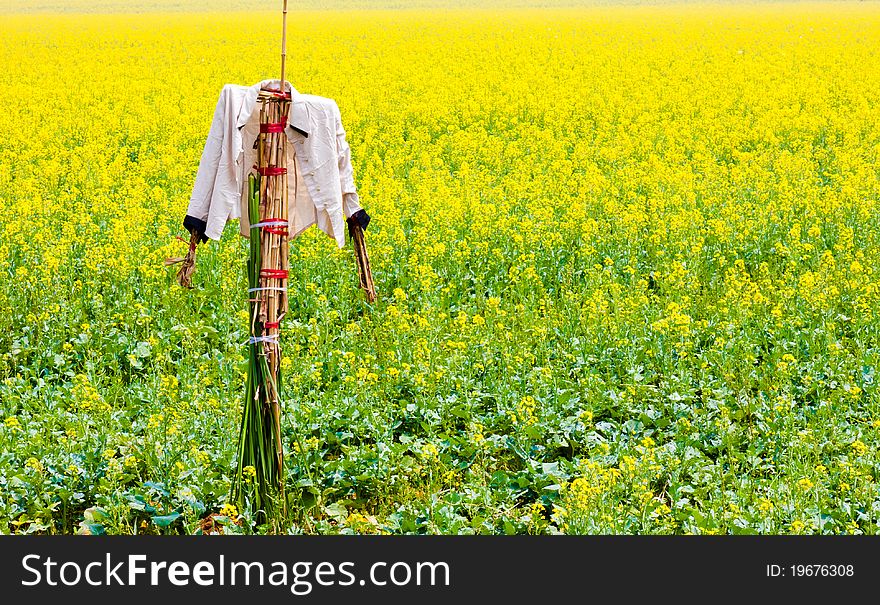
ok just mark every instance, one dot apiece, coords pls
pixel 627 262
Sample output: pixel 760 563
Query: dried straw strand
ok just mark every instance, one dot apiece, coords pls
pixel 365 273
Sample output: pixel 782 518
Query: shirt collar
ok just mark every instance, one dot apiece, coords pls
pixel 298 116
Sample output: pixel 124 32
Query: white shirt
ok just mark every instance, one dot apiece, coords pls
pixel 320 182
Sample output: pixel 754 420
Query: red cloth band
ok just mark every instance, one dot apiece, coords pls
pixel 272 325
pixel 281 229
pixel 274 273
pixel 272 127
pixel 276 93
pixel 272 170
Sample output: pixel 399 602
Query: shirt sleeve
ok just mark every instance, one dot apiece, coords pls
pixel 350 200
pixel 209 203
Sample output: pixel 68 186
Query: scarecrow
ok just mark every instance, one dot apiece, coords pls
pixel 278 161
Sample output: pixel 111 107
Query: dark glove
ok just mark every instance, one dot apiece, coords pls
pixel 194 225
pixel 360 219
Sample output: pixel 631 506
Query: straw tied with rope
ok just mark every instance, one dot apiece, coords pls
pixel 259 481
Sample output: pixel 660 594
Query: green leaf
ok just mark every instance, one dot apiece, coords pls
pixel 533 431
pixel 93 529
pixel 95 514
pixel 337 511
pixel 460 411
pixel 165 520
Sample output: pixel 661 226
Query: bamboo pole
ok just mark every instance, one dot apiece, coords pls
pixel 274 243
pixel 283 42
pixel 260 444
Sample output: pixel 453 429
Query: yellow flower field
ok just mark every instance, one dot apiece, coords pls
pixel 626 259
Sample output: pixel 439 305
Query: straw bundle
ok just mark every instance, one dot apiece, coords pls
pixel 188 266
pixel 365 273
pixel 260 445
